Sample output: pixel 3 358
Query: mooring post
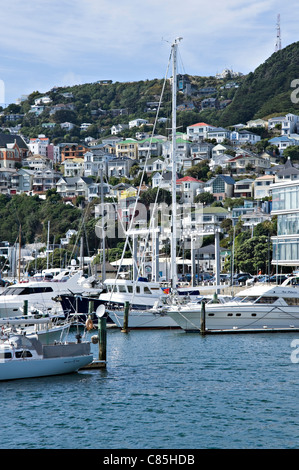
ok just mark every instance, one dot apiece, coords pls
pixel 126 318
pixel 25 307
pixel 102 335
pixel 203 318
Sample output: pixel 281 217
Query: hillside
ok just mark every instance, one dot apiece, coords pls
pixel 267 90
pixel 261 93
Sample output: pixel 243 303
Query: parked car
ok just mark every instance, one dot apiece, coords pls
pixel 278 278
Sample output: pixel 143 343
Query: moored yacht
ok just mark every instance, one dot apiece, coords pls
pixel 41 293
pixel 259 307
pixel 26 357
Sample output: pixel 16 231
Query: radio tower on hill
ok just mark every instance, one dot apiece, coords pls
pixel 278 36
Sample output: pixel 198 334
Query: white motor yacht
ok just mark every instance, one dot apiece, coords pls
pixel 259 307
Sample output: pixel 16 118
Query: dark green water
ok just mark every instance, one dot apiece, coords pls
pixel 163 390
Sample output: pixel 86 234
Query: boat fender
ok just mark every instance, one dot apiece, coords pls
pixel 94 339
pixel 89 324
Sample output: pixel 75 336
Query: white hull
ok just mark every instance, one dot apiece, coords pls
pixel 142 320
pixel 236 318
pixel 42 367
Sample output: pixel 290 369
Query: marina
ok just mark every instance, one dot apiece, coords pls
pixel 163 390
pixel 130 377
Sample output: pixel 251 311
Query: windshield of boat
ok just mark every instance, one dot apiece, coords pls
pixel 259 299
pixel 26 290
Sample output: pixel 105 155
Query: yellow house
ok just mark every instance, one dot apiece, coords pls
pixel 127 148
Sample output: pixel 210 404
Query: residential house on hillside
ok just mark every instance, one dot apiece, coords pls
pixel 283 142
pixel 221 186
pixel 261 186
pixel 244 137
pixel 96 160
pixel 118 128
pixel 219 134
pixel 119 167
pixel 67 126
pixel 151 147
pixel 246 162
pixel 188 187
pixel 68 236
pixel 205 219
pixel 127 148
pixel 200 151
pixel 137 123
pixel 44 180
pixel 258 123
pixel 22 180
pixel 244 188
pixel 6 139
pixel 72 151
pixel 287 123
pixel 95 190
pixel 219 160
pixel 220 149
pixel 287 173
pixel 198 131
pixel 182 151
pixel 162 181
pixel 10 154
pixel 73 167
pixel 73 187
pixel 154 164
pixel 38 162
pixel 5 180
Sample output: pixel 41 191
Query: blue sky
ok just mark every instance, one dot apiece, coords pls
pixel 46 43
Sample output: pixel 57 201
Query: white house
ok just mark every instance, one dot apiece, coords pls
pixel 244 137
pixel 288 123
pixel 219 134
pixel 198 131
pixel 189 187
pixel 261 186
pixel 137 123
pixel 116 129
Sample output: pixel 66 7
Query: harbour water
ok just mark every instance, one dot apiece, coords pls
pixel 163 390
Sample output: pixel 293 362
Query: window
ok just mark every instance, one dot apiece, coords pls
pixel 24 353
pixel 147 290
pixel 5 355
pixel 291 300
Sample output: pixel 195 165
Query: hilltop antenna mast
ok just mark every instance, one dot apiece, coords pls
pixel 278 35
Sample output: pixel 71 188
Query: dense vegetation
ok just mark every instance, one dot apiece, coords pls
pixel 267 90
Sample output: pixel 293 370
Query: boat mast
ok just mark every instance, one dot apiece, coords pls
pixel 174 165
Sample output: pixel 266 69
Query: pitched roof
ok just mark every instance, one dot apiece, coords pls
pixel 201 124
pixel 188 178
pixel 10 139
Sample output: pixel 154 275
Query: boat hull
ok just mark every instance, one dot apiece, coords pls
pixel 144 319
pixel 219 317
pixel 42 367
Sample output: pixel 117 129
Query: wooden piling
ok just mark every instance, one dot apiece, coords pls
pixel 203 318
pixel 102 335
pixel 126 318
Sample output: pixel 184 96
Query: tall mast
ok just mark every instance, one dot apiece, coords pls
pixel 174 165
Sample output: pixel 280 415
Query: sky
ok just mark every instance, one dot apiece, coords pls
pixel 47 43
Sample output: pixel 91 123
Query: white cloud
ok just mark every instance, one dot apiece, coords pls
pixel 123 40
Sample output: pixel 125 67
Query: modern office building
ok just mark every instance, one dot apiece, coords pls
pixel 285 204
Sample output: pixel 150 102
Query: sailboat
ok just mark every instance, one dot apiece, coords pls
pixel 147 313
